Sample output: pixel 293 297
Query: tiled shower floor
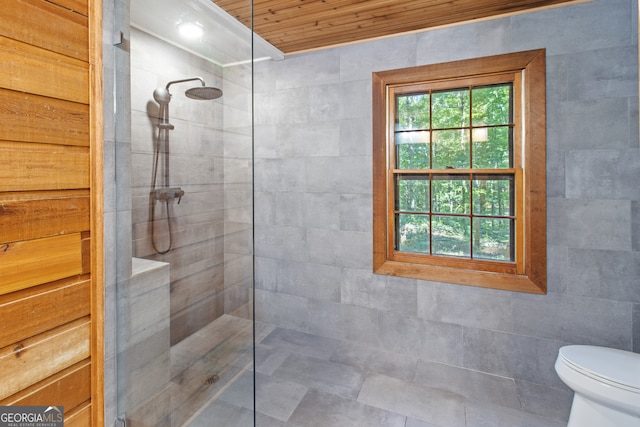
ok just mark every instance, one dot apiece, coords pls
pixel 206 363
pixel 304 380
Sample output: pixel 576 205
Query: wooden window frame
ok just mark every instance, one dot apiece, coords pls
pixel 529 271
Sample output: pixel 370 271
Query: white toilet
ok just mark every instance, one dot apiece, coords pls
pixel 606 383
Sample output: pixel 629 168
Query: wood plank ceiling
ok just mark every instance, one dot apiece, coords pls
pixel 301 25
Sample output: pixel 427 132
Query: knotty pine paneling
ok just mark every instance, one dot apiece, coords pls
pixel 31 167
pixel 36 310
pixel 34 262
pixel 33 118
pixel 69 388
pixel 32 360
pixel 59 29
pixel 35 70
pixel 30 215
pixel 300 25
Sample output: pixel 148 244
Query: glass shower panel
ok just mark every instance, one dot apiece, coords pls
pixel 185 308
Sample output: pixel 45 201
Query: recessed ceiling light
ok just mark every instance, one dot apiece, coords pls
pixel 190 30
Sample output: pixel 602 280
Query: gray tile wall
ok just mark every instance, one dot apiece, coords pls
pixel 313 207
pixel 237 190
pixel 211 260
pixel 196 166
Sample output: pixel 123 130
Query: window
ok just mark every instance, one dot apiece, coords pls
pixel 459 172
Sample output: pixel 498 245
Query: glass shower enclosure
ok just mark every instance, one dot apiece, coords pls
pixel 185 329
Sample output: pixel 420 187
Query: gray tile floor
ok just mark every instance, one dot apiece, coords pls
pixel 304 380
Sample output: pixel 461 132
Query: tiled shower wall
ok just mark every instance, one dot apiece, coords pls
pixel 314 206
pixel 200 288
pixel 197 229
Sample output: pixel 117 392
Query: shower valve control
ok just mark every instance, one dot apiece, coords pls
pixel 168 193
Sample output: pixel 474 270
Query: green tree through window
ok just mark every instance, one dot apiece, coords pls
pixel 459 128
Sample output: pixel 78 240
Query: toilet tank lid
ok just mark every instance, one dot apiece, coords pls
pixel 619 366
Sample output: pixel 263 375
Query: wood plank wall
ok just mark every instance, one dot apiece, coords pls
pixel 51 304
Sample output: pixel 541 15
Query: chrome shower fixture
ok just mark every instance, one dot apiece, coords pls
pixel 203 92
pixel 164 192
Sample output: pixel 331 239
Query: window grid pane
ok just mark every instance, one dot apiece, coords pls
pixel 451 109
pixel 493 195
pixel 413 233
pixel 451 194
pixel 451 236
pixel 412 111
pixel 413 193
pixel 492 239
pixel 413 150
pixel 492 147
pixel 451 149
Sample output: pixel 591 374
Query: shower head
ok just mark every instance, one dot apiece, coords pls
pixel 163 96
pixel 203 93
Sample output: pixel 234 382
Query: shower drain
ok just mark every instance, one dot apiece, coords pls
pixel 211 379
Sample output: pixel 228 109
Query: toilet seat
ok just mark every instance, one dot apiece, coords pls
pixel 616 368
